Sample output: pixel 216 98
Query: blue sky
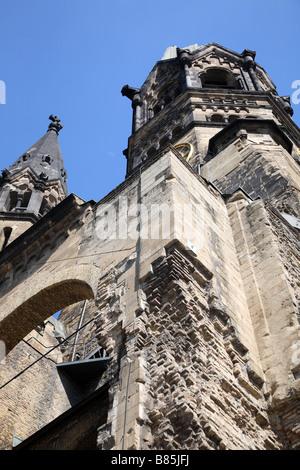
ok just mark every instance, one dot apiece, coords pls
pixel 71 58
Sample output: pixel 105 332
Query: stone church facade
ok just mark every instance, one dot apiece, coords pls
pixel 178 292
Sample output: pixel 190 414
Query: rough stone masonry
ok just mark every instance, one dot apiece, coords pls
pixel 178 291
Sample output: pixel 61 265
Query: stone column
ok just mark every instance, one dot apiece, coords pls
pixel 137 112
pixel 134 95
pixel 250 65
pixel 35 201
pixel 19 202
pixel 185 64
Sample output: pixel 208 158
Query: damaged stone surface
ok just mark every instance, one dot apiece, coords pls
pixel 184 279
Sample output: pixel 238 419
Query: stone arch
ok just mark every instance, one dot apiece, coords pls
pixel 217 118
pixel 40 306
pixel 232 117
pixel 217 77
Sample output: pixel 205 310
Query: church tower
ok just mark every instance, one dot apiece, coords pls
pixel 179 290
pixel 32 186
pixel 205 99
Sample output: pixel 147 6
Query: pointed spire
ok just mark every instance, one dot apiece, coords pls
pixel 32 186
pixel 44 158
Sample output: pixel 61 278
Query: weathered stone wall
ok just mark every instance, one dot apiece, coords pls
pixel 203 395
pixel 76 429
pixel 194 361
pixel 268 252
pixel 260 167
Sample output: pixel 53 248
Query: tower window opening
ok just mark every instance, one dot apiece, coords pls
pixel 13 200
pixel 26 199
pixel 219 78
pixel 19 200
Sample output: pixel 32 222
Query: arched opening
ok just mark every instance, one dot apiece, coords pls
pixel 176 132
pixel 163 142
pixel 53 374
pixel 232 117
pixel 19 200
pixel 26 199
pixel 31 313
pixel 151 152
pixel 219 78
pixel 13 200
pixel 216 118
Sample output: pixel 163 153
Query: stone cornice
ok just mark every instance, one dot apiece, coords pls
pixel 290 127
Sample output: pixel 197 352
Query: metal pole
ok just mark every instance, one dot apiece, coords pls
pixel 79 326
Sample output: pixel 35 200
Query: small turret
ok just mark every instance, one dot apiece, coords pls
pixel 33 185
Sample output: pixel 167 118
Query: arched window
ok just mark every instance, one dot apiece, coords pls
pixel 151 152
pixel 19 200
pixel 13 200
pixel 232 117
pixel 163 142
pixel 217 118
pixel 219 78
pixel 26 198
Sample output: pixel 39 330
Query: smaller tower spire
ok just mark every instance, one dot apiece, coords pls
pixel 33 185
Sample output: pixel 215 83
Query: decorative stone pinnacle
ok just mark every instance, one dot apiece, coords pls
pixel 55 124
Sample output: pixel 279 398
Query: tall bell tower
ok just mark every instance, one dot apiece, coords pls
pixel 207 99
pixel 32 186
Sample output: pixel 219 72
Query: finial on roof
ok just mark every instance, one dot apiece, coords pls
pixel 55 124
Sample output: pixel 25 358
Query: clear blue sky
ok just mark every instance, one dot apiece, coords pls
pixel 71 58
